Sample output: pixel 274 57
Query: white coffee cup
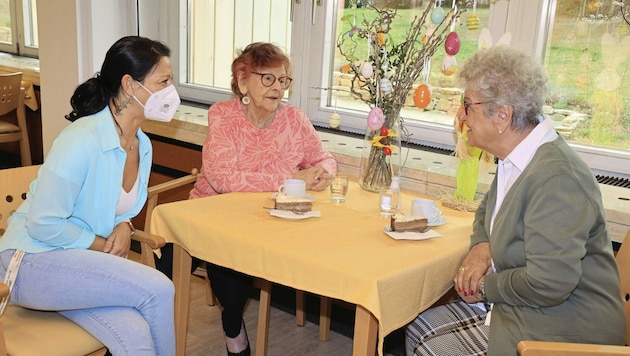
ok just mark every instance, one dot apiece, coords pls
pixel 293 187
pixel 425 207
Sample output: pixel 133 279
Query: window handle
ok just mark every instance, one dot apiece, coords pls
pixel 314 7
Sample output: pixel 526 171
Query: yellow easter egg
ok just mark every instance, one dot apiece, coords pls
pixel 472 23
pixel 334 120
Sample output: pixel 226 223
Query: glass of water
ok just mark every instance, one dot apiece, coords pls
pixel 339 188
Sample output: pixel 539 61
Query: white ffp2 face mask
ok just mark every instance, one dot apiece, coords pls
pixel 161 105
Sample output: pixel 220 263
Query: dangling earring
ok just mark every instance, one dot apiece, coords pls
pixel 245 100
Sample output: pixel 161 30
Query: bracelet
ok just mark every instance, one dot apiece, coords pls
pixel 482 288
pixel 133 229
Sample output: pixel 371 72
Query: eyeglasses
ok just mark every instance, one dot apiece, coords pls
pixel 268 79
pixel 466 105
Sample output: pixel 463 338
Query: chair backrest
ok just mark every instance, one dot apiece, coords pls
pixel 14 184
pixel 623 262
pixel 10 96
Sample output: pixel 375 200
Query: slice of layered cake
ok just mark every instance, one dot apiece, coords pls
pixel 296 205
pixel 402 223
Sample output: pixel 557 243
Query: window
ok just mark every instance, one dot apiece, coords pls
pixel 18 27
pixel 588 101
pixel 588 62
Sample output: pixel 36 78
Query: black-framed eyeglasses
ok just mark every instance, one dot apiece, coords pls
pixel 268 79
pixel 466 105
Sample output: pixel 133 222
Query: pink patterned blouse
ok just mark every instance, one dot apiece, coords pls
pixel 240 157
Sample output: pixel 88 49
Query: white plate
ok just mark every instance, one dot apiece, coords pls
pixel 409 235
pixel 307 196
pixel 289 215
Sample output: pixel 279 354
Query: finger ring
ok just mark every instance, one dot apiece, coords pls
pixel 461 268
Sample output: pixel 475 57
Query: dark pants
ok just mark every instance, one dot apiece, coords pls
pixel 231 288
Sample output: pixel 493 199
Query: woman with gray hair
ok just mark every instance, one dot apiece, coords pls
pixel 540 265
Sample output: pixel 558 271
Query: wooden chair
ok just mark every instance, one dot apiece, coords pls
pixel 147 258
pixel 12 110
pixel 547 348
pixel 29 332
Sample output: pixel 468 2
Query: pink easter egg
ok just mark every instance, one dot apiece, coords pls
pixel 376 118
pixel 452 43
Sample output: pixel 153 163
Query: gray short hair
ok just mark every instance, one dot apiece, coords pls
pixel 504 75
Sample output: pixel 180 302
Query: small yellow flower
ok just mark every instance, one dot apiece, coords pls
pixel 384 140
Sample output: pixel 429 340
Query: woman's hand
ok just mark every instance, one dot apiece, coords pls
pixel 317 178
pixel 119 242
pixel 477 263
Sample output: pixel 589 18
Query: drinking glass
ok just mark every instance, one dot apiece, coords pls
pixel 339 188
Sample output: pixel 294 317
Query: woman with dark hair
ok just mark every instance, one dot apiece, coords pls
pixel 74 230
pixel 254 143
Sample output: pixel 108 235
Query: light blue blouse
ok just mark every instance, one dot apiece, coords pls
pixel 77 189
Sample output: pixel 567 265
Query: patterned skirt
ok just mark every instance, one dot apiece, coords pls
pixel 454 329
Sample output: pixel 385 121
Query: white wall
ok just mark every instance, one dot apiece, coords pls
pixel 74 37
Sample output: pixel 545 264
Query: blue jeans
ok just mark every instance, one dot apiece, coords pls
pixel 126 305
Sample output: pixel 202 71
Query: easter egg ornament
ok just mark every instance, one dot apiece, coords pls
pixel 386 86
pixel 422 96
pixel 449 65
pixel 376 119
pixel 452 43
pixel 437 15
pixel 334 120
pixel 367 70
pixel 472 23
pixel 428 34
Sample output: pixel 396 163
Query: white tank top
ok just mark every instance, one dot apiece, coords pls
pixel 128 199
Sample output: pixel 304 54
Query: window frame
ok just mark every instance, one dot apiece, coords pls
pixel 18 32
pixel 513 16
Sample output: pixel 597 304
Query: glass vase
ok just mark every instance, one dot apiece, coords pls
pixel 381 156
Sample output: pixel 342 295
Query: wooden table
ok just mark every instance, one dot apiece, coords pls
pixel 343 254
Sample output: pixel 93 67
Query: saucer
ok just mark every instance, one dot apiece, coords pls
pixel 409 235
pixel 306 196
pixel 289 215
pixel 440 220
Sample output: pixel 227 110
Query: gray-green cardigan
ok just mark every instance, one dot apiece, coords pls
pixel 556 278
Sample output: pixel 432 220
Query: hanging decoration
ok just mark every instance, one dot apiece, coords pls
pixel 376 119
pixel 396 64
pixel 422 95
pixel 334 120
pixel 437 15
pixel 472 23
pixel 452 44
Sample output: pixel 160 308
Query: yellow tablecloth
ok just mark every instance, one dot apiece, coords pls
pixel 343 254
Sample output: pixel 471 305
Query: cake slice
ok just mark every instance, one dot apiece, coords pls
pixel 402 223
pixel 296 205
